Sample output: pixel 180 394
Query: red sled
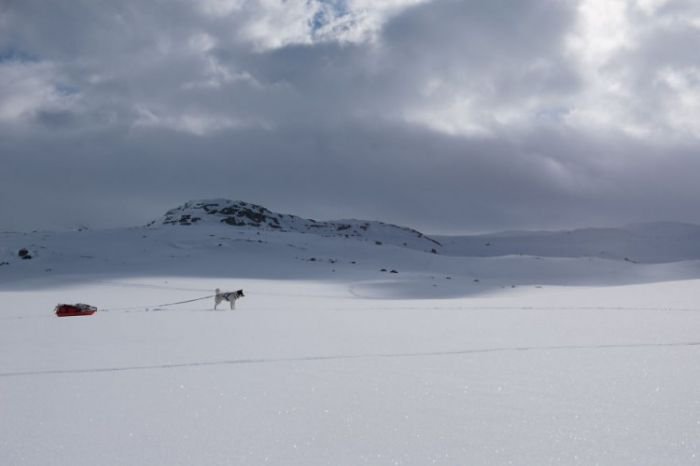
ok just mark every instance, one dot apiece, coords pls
pixel 79 309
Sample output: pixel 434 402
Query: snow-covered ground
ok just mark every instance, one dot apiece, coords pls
pixel 328 360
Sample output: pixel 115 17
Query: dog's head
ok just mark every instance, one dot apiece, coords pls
pixel 239 294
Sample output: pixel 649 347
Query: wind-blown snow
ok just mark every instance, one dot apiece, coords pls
pixel 345 351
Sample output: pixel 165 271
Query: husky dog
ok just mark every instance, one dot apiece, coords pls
pixel 230 296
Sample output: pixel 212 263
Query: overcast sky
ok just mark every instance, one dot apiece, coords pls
pixel 443 115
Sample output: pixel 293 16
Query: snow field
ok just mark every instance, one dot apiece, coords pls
pixel 307 373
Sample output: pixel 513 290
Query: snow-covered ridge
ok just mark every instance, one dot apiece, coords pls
pixel 244 214
pixel 656 242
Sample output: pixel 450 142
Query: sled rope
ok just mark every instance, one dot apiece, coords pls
pixel 188 301
pixel 155 306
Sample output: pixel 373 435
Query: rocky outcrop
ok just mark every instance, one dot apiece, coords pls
pixel 244 214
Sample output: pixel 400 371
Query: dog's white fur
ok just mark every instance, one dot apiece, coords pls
pixel 230 296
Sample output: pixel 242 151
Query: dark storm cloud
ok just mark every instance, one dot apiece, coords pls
pixel 459 115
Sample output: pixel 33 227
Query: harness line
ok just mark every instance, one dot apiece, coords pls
pixel 155 306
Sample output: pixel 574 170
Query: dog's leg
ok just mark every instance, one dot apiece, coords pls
pixel 233 303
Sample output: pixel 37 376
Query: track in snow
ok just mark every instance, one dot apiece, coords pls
pixel 348 357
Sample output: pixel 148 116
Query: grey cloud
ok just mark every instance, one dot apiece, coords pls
pixel 464 40
pixel 408 176
pixel 154 118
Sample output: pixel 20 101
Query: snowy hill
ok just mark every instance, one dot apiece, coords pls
pixel 228 238
pixel 642 243
pixel 243 214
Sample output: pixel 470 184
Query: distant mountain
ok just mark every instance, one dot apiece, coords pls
pixel 244 214
pixel 226 232
pixel 644 243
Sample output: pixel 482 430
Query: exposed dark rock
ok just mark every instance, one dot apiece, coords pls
pixel 184 219
pixel 232 221
pixel 243 214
